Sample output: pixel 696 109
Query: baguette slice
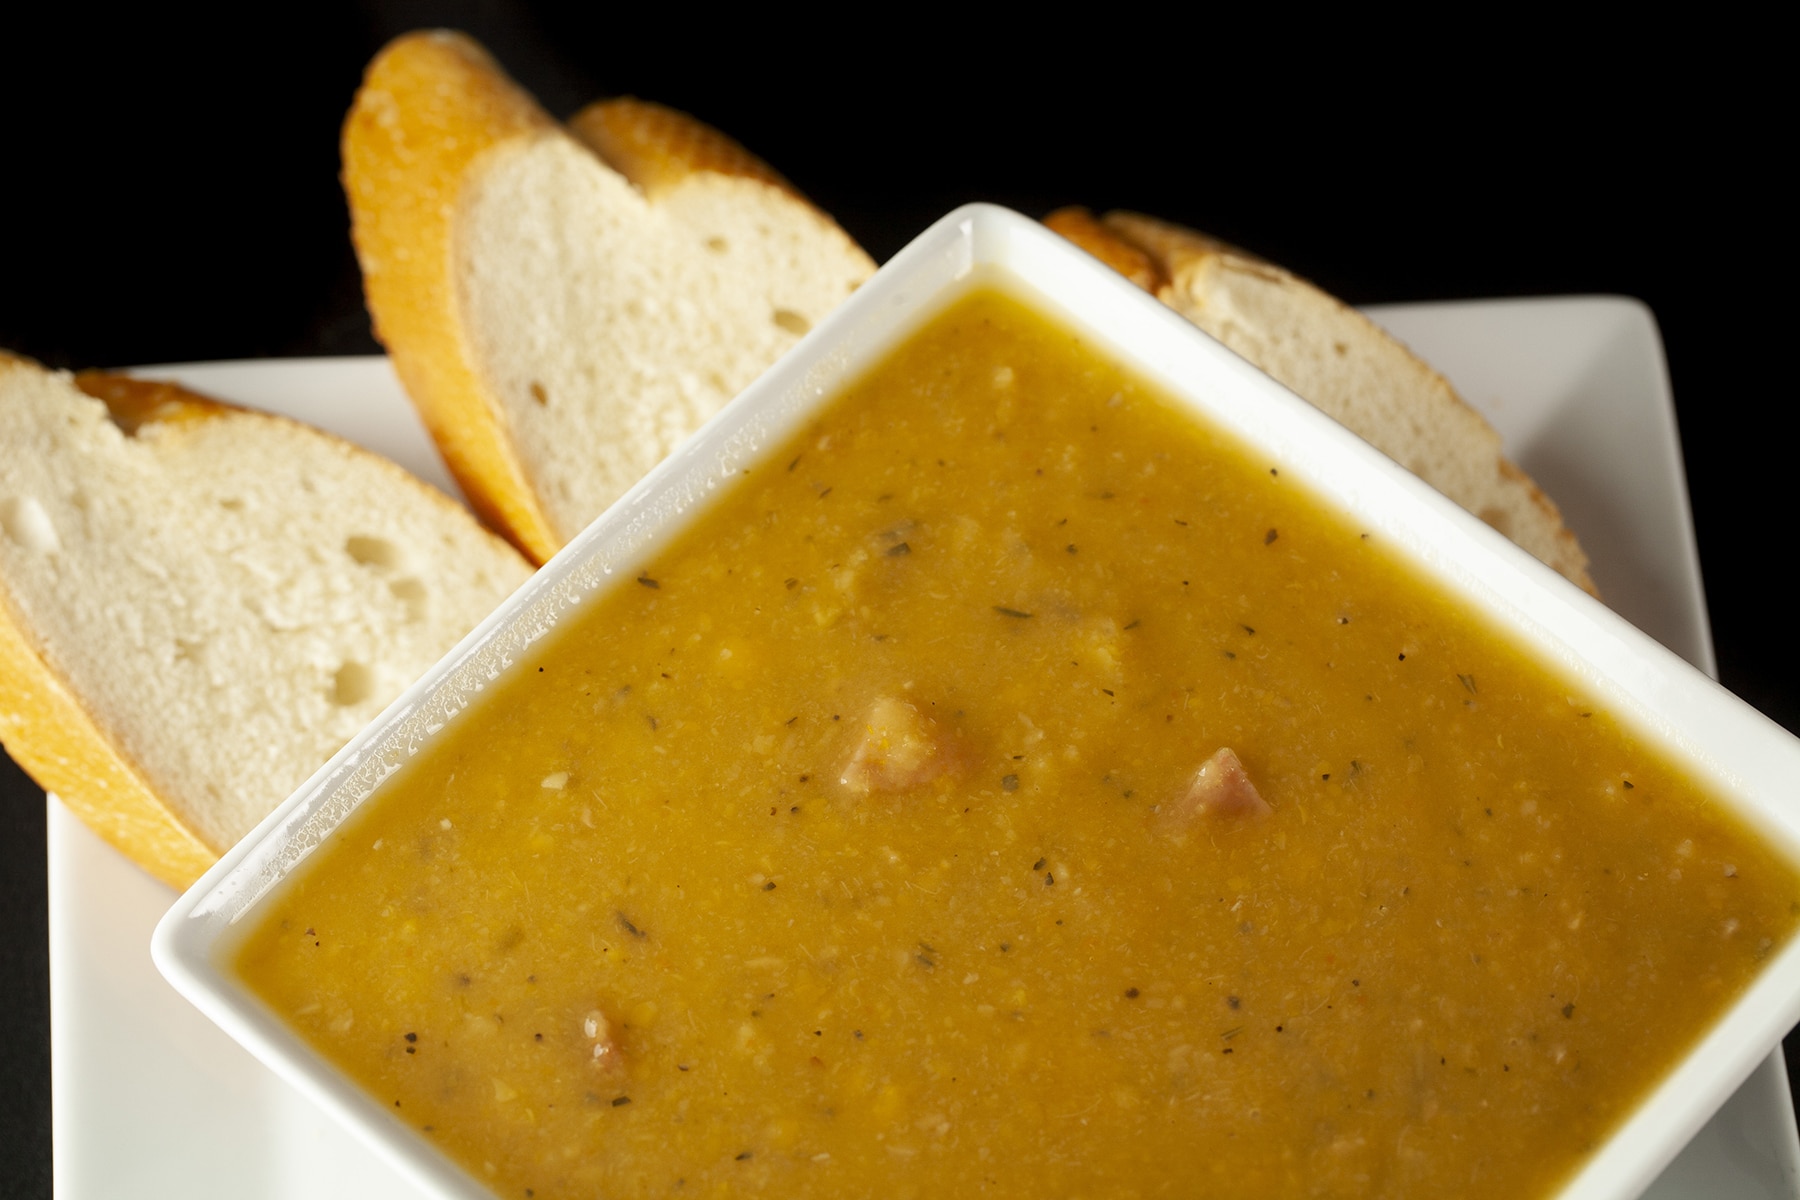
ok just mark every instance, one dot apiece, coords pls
pixel 1340 361
pixel 565 309
pixel 200 604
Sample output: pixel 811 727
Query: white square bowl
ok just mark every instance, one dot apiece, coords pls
pixel 1744 759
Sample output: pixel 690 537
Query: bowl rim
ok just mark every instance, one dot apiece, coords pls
pixel 1738 754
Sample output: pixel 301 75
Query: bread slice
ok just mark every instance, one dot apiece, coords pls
pixel 1340 361
pixel 564 310
pixel 200 604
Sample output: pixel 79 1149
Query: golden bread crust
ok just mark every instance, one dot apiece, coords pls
pixel 656 147
pixel 58 742
pixel 1082 227
pixel 1175 247
pixel 429 107
pixel 134 403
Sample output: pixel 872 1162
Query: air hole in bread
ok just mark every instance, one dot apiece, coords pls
pixel 1498 518
pixel 231 503
pixel 411 593
pixel 372 551
pixel 353 683
pixel 717 245
pixel 27 524
pixel 539 394
pixel 792 321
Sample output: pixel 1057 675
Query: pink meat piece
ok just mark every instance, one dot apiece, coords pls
pixel 901 748
pixel 1221 788
pixel 597 1030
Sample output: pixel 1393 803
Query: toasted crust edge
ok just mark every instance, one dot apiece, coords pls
pixel 58 742
pixel 1080 226
pixel 430 106
pixel 656 147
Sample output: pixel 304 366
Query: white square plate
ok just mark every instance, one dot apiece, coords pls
pixel 153 1100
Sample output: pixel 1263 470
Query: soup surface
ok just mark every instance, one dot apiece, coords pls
pixel 877 841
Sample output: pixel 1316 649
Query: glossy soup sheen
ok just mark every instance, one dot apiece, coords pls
pixel 849 850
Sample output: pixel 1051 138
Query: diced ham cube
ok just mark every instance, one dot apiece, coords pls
pixel 900 748
pixel 598 1031
pixel 1221 789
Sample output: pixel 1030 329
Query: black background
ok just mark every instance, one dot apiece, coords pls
pixel 168 192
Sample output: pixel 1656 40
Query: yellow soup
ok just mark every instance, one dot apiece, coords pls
pixel 1016 788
